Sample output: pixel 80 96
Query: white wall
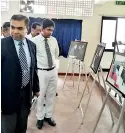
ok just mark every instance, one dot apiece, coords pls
pixel 91 28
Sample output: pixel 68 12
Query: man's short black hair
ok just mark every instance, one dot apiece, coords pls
pixel 47 23
pixel 20 17
pixel 5 26
pixel 34 25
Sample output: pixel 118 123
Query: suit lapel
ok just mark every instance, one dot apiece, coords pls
pixel 12 48
pixel 31 52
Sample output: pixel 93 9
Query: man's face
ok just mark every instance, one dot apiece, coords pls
pixel 18 29
pixel 47 32
pixel 36 31
pixel 6 32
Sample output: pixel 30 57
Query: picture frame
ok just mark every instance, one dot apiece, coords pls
pixel 77 50
pixel 116 74
pixel 97 58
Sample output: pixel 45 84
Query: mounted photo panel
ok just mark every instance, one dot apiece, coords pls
pixel 77 50
pixel 116 75
pixel 97 58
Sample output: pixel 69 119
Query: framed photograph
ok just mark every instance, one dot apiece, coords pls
pixel 77 50
pixel 97 58
pixel 116 75
pixel 27 6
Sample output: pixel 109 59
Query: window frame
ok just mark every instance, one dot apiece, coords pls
pixel 116 28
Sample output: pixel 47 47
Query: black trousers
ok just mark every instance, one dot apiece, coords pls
pixel 17 122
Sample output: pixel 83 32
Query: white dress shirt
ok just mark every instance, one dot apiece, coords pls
pixel 2 36
pixel 26 49
pixel 29 36
pixel 42 60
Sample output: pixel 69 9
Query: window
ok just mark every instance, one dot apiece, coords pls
pixel 4 5
pixel 108 33
pixel 121 30
pixel 62 7
pixel 113 29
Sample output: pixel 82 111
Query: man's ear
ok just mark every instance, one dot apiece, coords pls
pixel 27 29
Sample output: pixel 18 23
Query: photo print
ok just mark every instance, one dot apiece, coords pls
pixel 97 58
pixel 116 75
pixel 77 50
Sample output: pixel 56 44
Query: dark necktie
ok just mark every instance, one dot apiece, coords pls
pixel 24 65
pixel 49 55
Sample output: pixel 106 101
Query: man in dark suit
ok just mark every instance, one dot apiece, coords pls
pixel 18 76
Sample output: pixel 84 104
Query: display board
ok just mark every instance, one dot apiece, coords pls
pixel 116 75
pixel 77 50
pixel 97 58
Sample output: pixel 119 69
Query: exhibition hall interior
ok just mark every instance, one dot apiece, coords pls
pixel 62 66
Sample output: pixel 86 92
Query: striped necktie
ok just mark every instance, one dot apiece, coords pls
pixel 24 65
pixel 49 55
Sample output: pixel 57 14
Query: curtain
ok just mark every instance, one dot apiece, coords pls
pixel 66 30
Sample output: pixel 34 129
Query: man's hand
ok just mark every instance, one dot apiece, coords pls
pixel 37 94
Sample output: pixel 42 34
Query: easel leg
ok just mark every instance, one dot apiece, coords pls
pixel 121 117
pixel 92 87
pixel 106 98
pixel 124 123
pixel 66 73
pixel 84 91
pixel 106 92
pixel 86 78
pixel 100 85
pixel 73 68
pixel 79 77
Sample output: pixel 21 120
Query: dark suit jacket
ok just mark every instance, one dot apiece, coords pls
pixel 11 75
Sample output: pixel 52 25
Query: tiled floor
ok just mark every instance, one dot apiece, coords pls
pixel 68 120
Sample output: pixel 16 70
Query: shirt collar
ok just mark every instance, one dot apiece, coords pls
pixel 30 35
pixel 43 38
pixel 17 42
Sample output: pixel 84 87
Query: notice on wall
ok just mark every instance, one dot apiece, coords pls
pixel 120 2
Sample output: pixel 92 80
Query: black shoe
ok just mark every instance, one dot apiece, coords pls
pixel 56 94
pixel 39 124
pixel 50 121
